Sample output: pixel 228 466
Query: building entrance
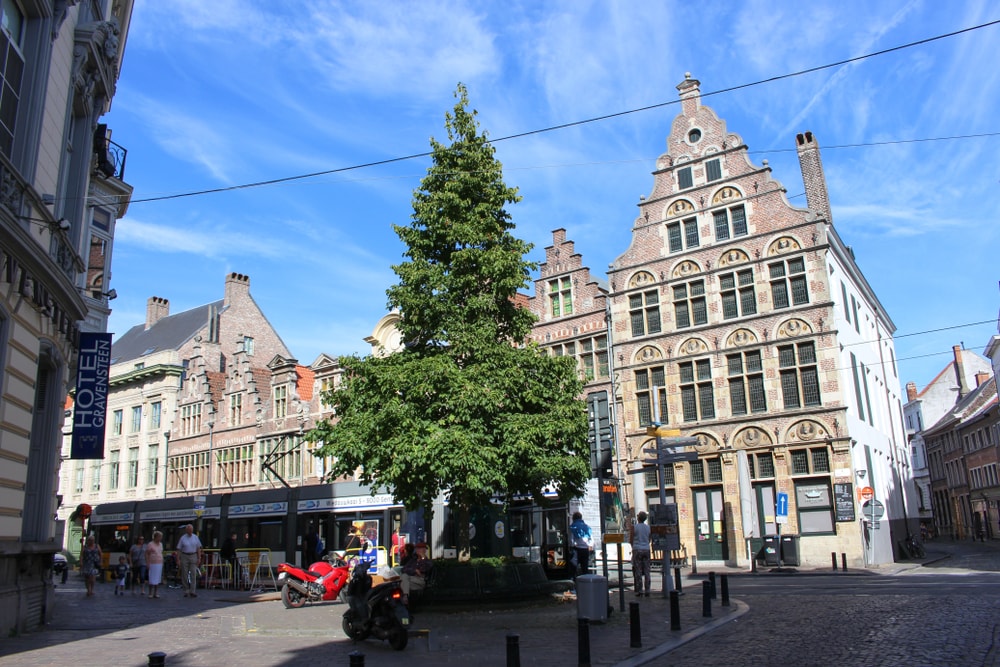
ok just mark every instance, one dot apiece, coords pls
pixel 709 525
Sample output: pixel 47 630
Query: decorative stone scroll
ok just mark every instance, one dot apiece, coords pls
pixel 794 327
pixel 732 257
pixel 806 430
pixel 783 245
pixel 693 346
pixel 641 279
pixel 741 337
pixel 685 269
pixel 752 437
pixel 728 193
pixel 648 353
pixel 679 207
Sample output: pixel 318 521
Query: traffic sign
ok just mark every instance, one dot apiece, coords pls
pixel 873 510
pixel 781 509
pixel 657 431
pixel 867 493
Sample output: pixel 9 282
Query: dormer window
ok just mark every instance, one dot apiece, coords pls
pixel 561 296
pixel 685 178
pixel 713 170
pixel 280 402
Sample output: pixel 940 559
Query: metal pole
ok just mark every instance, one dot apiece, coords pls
pixel 843 561
pixel 157 659
pixel 711 584
pixel 706 599
pixel 725 590
pixel 583 642
pixel 513 651
pixel 635 631
pixel 675 611
pixel 833 556
pixel 677 581
pixel 621 580
pixel 211 463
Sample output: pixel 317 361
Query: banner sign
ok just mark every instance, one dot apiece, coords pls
pixel 90 406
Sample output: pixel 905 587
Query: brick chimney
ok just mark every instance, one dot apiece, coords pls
pixel 237 287
pixel 982 378
pixel 156 309
pixel 963 386
pixel 812 175
pixel 911 391
pixel 690 94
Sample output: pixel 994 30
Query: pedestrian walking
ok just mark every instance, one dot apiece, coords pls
pixel 189 549
pixel 641 563
pixel 90 563
pixel 583 544
pixel 154 561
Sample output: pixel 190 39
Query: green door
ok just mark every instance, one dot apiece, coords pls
pixel 709 528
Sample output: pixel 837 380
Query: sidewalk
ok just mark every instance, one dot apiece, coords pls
pixel 239 628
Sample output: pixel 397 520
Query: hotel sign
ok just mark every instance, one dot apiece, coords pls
pixel 90 406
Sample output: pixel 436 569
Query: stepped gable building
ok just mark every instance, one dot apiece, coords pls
pixel 63 185
pixel 926 407
pixel 206 401
pixel 745 322
pixel 571 307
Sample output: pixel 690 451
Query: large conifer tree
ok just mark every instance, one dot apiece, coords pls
pixel 466 409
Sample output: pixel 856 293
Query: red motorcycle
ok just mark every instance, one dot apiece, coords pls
pixel 322 581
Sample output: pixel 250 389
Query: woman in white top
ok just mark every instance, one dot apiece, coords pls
pixel 641 565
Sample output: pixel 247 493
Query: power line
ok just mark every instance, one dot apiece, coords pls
pixel 552 128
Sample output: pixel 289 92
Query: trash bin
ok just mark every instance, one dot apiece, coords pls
pixel 790 549
pixel 771 546
pixel 592 597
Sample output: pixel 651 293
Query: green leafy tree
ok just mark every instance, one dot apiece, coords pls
pixel 466 409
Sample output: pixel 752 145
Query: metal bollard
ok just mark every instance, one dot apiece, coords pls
pixel 706 599
pixel 694 565
pixel 833 556
pixel 513 651
pixel 677 580
pixel 635 631
pixel 711 581
pixel 583 643
pixel 843 561
pixel 157 659
pixel 675 611
pixel 725 590
pixel 357 659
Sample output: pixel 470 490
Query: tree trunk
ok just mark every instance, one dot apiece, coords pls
pixel 464 541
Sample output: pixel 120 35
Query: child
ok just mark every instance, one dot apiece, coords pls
pixel 121 575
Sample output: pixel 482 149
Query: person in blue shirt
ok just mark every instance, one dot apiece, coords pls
pixel 582 542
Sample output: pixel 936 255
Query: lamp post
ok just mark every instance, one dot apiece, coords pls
pixel 211 462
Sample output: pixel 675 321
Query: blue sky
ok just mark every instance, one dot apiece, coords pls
pixel 224 93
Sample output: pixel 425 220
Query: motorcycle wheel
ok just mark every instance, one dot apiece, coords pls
pixel 291 598
pixel 398 637
pixel 350 629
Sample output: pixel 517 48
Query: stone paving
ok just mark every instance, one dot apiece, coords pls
pixel 246 629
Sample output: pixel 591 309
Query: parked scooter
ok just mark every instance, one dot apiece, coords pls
pixel 377 611
pixel 323 581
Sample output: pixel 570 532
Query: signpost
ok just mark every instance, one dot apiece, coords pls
pixel 780 517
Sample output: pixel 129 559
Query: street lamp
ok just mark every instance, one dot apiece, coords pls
pixel 211 442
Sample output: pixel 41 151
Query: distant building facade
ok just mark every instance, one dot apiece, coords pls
pixel 63 191
pixel 209 400
pixel 746 323
pixel 963 460
pixel 924 408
